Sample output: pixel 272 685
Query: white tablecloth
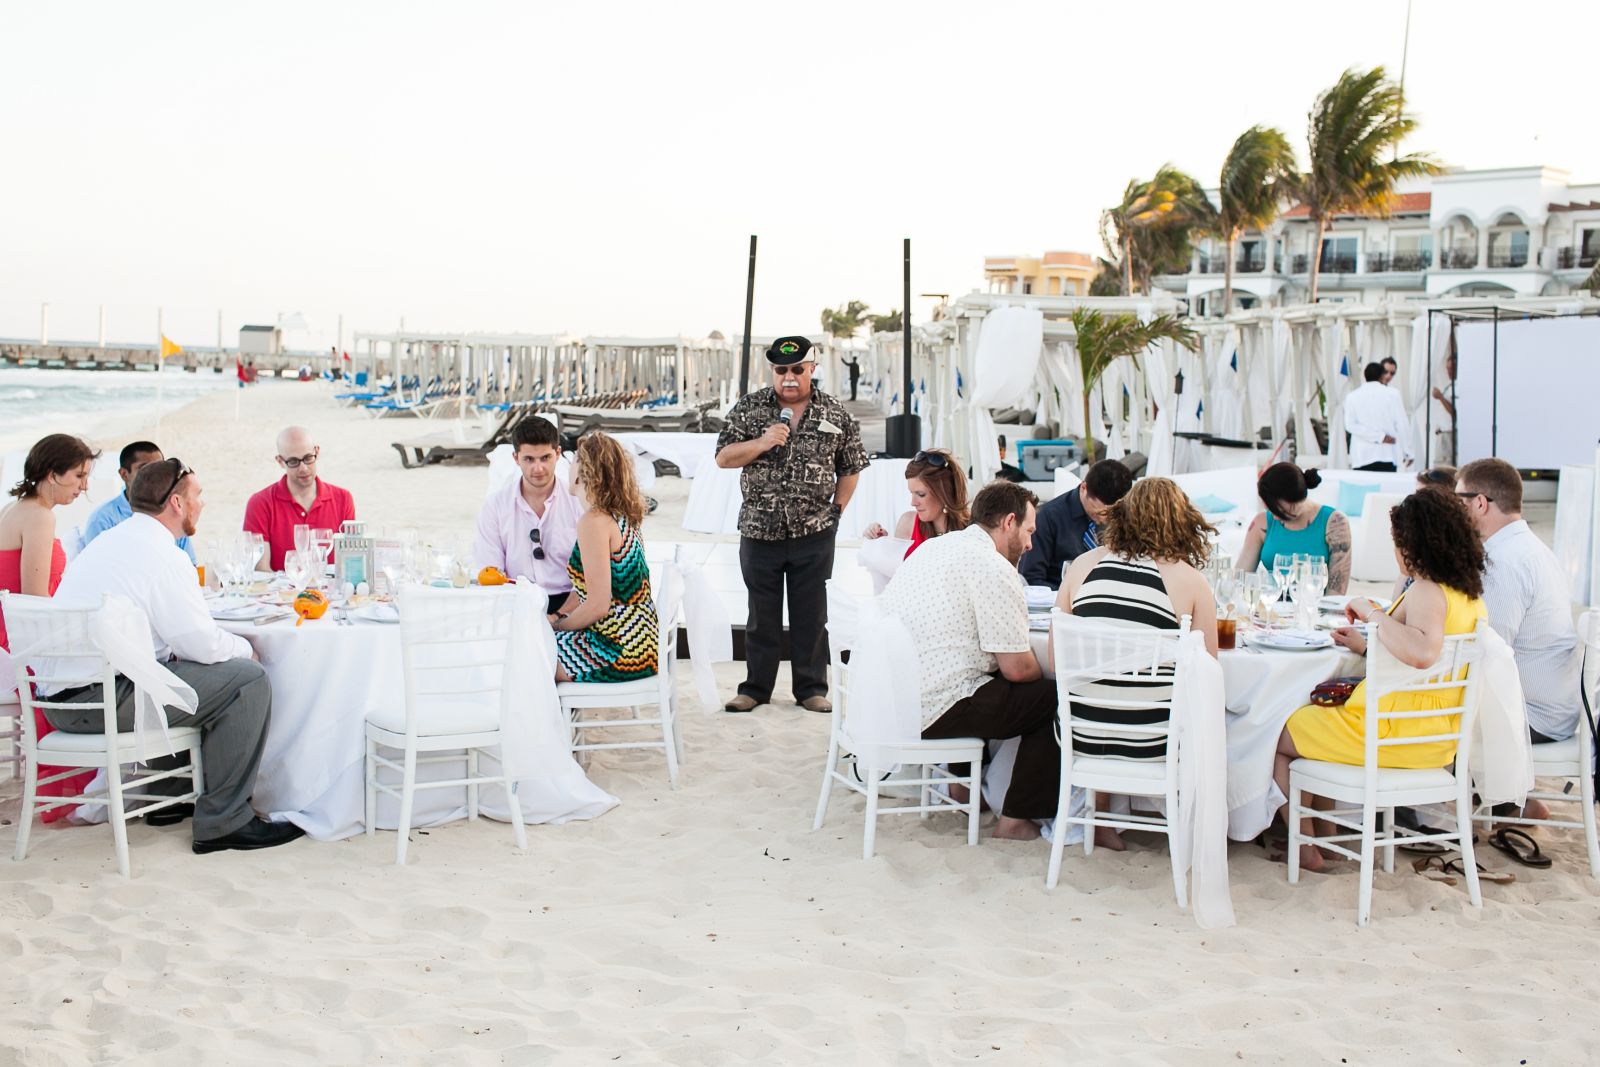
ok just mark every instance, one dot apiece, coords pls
pixel 881 496
pixel 325 680
pixel 1263 689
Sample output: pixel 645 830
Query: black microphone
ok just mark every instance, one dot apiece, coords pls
pixel 786 416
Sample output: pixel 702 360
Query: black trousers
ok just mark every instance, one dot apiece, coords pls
pixel 1378 468
pixel 1026 710
pixel 804 565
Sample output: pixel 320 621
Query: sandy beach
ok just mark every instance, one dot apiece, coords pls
pixel 708 925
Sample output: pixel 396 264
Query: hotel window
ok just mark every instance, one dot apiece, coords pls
pixel 1508 243
pixel 1413 251
pixel 1339 254
pixel 1588 246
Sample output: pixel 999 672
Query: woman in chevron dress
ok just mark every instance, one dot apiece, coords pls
pixel 606 630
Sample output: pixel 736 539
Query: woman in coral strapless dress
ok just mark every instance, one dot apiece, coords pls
pixel 31 559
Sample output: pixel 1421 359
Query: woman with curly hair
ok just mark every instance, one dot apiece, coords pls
pixel 938 500
pixel 1435 546
pixel 1144 575
pixel 606 629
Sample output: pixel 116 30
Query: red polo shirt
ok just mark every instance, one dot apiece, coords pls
pixel 273 514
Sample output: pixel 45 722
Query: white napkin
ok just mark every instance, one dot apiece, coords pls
pixel 1041 598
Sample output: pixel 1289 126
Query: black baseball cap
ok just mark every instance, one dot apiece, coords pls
pixel 787 351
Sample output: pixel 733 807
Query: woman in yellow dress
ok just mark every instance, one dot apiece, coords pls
pixel 1437 548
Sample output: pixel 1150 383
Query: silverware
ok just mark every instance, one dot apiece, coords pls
pixel 268 620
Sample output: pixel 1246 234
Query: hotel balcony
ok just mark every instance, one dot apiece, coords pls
pixel 1507 259
pixel 1458 259
pixel 1576 258
pixel 1329 264
pixel 1398 262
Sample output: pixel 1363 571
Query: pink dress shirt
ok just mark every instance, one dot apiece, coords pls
pixel 503 535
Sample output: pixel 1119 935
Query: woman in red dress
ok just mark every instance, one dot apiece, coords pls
pixel 938 500
pixel 31 559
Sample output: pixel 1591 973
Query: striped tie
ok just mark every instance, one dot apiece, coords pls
pixel 1091 539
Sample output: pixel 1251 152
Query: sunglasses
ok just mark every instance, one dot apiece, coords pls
pixel 798 370
pixel 183 471
pixel 1433 477
pixel 932 459
pixel 296 461
pixel 538 549
pixel 1474 496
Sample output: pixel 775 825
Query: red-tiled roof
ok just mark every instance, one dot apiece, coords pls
pixel 1403 204
pixel 1592 205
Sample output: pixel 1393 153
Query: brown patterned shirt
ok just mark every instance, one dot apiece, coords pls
pixel 788 491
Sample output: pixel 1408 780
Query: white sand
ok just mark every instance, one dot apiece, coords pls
pixel 707 925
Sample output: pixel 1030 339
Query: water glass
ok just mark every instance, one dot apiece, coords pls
pixel 302 538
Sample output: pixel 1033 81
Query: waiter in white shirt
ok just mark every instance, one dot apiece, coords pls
pixel 140 560
pixel 1375 419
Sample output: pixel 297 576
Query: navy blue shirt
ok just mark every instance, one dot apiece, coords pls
pixel 1059 526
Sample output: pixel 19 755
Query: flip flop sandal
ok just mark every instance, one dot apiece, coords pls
pixel 1521 847
pixel 1432 868
pixel 1453 866
pixel 1426 848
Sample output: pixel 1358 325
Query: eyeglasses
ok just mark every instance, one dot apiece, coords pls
pixel 296 461
pixel 797 370
pixel 932 459
pixel 183 471
pixel 1474 496
pixel 538 549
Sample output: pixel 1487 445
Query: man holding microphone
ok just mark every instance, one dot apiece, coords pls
pixel 801 454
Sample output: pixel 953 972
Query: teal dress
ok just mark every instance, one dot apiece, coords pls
pixel 1282 541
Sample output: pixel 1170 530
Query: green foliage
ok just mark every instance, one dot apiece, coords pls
pixel 1353 164
pixel 1103 339
pixel 893 322
pixel 1151 230
pixel 844 321
pixel 1256 178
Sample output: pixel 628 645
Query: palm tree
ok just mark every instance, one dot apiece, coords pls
pixel 1104 339
pixel 1255 180
pixel 1352 128
pixel 1592 282
pixel 844 321
pixel 1148 231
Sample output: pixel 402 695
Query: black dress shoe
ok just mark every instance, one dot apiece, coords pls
pixel 257 833
pixel 170 816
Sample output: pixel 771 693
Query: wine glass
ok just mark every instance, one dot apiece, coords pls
pixel 1282 564
pixel 1314 580
pixel 302 538
pixel 1267 595
pixel 294 567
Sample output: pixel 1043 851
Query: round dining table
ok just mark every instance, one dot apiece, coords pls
pixel 1262 688
pixel 329 674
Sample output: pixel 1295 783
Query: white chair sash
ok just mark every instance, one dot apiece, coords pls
pixel 1200 828
pixel 705 618
pixel 1502 752
pixel 885 706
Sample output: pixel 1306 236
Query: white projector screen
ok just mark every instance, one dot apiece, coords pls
pixel 1536 405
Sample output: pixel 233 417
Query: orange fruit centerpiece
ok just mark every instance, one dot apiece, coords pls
pixel 491 576
pixel 310 604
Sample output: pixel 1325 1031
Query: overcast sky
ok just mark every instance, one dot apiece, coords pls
pixel 599 167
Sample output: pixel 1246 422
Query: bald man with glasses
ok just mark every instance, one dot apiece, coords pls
pixel 299 498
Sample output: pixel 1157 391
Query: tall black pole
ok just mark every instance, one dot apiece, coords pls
pixel 1427 423
pixel 903 433
pixel 905 324
pixel 749 306
pixel 1494 393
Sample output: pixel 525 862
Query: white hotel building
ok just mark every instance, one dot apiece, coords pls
pixel 1521 231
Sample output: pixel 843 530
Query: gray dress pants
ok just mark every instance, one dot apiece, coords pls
pixel 235 706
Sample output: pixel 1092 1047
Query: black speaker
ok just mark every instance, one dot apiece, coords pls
pixel 903 435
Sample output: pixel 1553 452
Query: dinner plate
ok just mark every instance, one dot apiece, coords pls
pixel 384 613
pixel 237 609
pixel 1290 640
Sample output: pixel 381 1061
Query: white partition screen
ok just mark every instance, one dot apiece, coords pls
pixel 1533 399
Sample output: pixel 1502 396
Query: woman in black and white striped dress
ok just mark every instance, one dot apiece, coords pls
pixel 1144 575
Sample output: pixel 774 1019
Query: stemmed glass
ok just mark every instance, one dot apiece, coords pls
pixel 1267 593
pixel 1282 566
pixel 302 538
pixel 294 567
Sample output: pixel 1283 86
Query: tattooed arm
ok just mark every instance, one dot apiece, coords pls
pixel 1338 534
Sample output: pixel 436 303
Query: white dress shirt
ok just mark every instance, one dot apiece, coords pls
pixel 503 541
pixel 962 602
pixel 140 560
pixel 1372 413
pixel 1526 594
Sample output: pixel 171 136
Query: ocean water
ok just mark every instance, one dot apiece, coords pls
pixel 35 401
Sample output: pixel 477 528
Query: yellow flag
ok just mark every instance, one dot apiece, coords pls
pixel 168 348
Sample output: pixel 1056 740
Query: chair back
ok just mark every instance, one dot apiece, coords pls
pixel 1456 690
pixel 454 646
pixel 1589 706
pixel 883 672
pixel 54 643
pixel 1116 681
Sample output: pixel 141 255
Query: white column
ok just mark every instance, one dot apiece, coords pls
pixel 44 324
pixel 219 337
pixel 102 325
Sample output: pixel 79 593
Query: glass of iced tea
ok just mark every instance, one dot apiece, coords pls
pixel 1227 632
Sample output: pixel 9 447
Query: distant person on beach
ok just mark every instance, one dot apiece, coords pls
pixel 139 560
pixel 298 498
pixel 1444 415
pixel 938 500
pixel 964 606
pixel 606 628
pixel 800 454
pixel 32 559
pixel 854 363
pixel 117 510
pixel 1070 524
pixel 1375 419
pixel 527 528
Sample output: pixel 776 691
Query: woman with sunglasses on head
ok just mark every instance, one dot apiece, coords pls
pixel 31 557
pixel 938 500
pixel 606 628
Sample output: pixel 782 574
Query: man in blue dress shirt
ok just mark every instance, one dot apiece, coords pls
pixel 117 510
pixel 1069 525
